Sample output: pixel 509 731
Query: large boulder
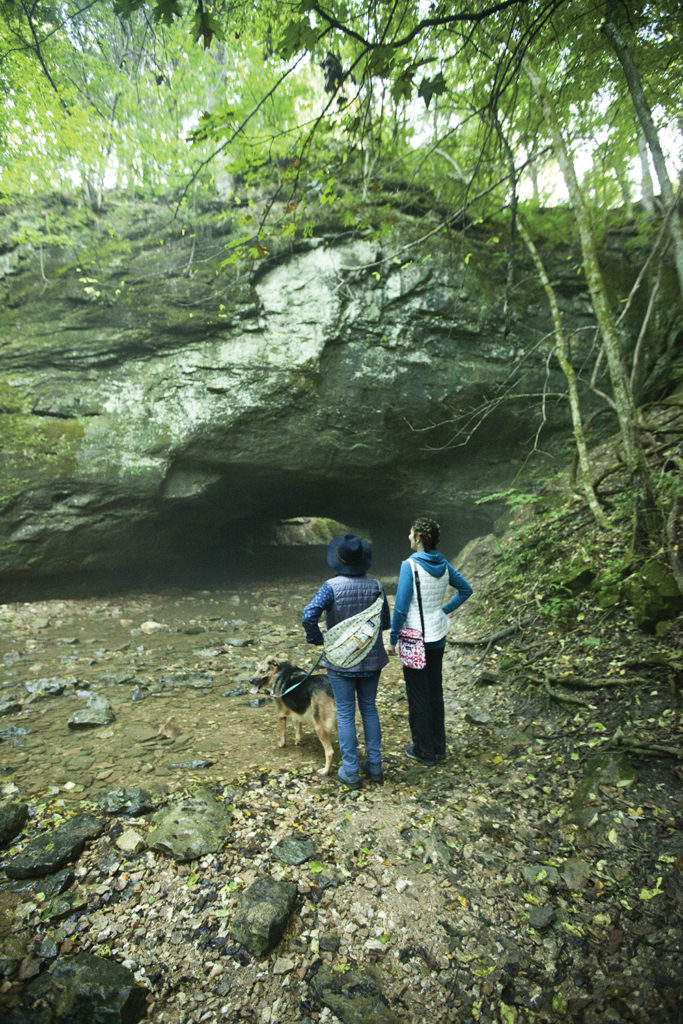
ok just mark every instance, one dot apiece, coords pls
pixel 192 827
pixel 654 595
pixel 88 988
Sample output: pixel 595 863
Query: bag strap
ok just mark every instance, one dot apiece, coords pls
pixel 367 609
pixel 416 577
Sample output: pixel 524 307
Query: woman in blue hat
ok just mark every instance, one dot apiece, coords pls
pixel 348 592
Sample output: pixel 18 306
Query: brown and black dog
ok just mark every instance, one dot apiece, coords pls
pixel 312 695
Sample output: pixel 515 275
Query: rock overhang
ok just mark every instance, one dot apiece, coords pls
pixel 336 381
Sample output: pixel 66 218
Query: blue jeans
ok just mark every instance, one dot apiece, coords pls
pixel 346 689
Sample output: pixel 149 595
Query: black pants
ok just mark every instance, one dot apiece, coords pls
pixel 424 691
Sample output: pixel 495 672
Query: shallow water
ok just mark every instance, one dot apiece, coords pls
pixel 175 667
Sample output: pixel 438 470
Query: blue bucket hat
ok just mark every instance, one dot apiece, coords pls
pixel 349 555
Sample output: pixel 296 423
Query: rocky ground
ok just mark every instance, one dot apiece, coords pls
pixel 534 876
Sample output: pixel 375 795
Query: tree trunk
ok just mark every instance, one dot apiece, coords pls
pixel 625 187
pixel 562 350
pixel 646 525
pixel 645 177
pixel 644 114
pixel 533 174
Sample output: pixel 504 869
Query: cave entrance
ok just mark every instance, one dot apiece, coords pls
pixel 257 522
pixel 294 546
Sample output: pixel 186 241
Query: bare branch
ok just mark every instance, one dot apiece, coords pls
pixel 645 324
pixel 467 16
pixel 650 256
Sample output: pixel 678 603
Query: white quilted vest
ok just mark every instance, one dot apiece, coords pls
pixel 433 599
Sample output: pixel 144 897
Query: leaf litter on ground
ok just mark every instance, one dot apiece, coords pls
pixel 534 876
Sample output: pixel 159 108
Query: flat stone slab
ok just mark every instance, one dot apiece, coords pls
pixel 541 918
pixel 96 713
pixel 192 827
pixel 475 717
pixel 294 850
pixel 128 801
pixel 49 852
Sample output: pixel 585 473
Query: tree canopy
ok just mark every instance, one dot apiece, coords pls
pixel 158 94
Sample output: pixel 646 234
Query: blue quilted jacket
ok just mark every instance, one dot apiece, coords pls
pixel 340 598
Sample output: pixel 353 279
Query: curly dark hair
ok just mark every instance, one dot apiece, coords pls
pixel 428 530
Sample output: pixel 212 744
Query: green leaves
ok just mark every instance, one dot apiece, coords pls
pixel 381 61
pixel 205 26
pixel 297 36
pixel 649 894
pixel 166 11
pixel 124 98
pixel 402 87
pixel 125 8
pixel 429 87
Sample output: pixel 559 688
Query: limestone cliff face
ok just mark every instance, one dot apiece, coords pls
pixel 151 399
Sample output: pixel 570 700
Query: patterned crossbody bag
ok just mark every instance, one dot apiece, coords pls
pixel 411 642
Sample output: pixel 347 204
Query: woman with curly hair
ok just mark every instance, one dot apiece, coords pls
pixel 424 579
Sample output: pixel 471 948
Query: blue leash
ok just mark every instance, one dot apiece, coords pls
pixel 302 680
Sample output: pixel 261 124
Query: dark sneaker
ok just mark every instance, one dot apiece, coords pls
pixel 376 774
pixel 350 781
pixel 416 756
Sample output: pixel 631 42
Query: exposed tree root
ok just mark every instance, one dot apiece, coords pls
pixel 621 742
pixel 563 698
pixel 575 683
pixel 494 638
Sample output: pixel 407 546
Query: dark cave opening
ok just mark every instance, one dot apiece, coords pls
pixel 211 539
pixel 197 546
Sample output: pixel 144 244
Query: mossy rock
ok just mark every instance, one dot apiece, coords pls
pixel 608 585
pixel 609 594
pixel 653 594
pixel 309 530
pixel 576 576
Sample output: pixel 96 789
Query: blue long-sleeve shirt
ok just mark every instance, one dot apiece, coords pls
pixel 436 565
